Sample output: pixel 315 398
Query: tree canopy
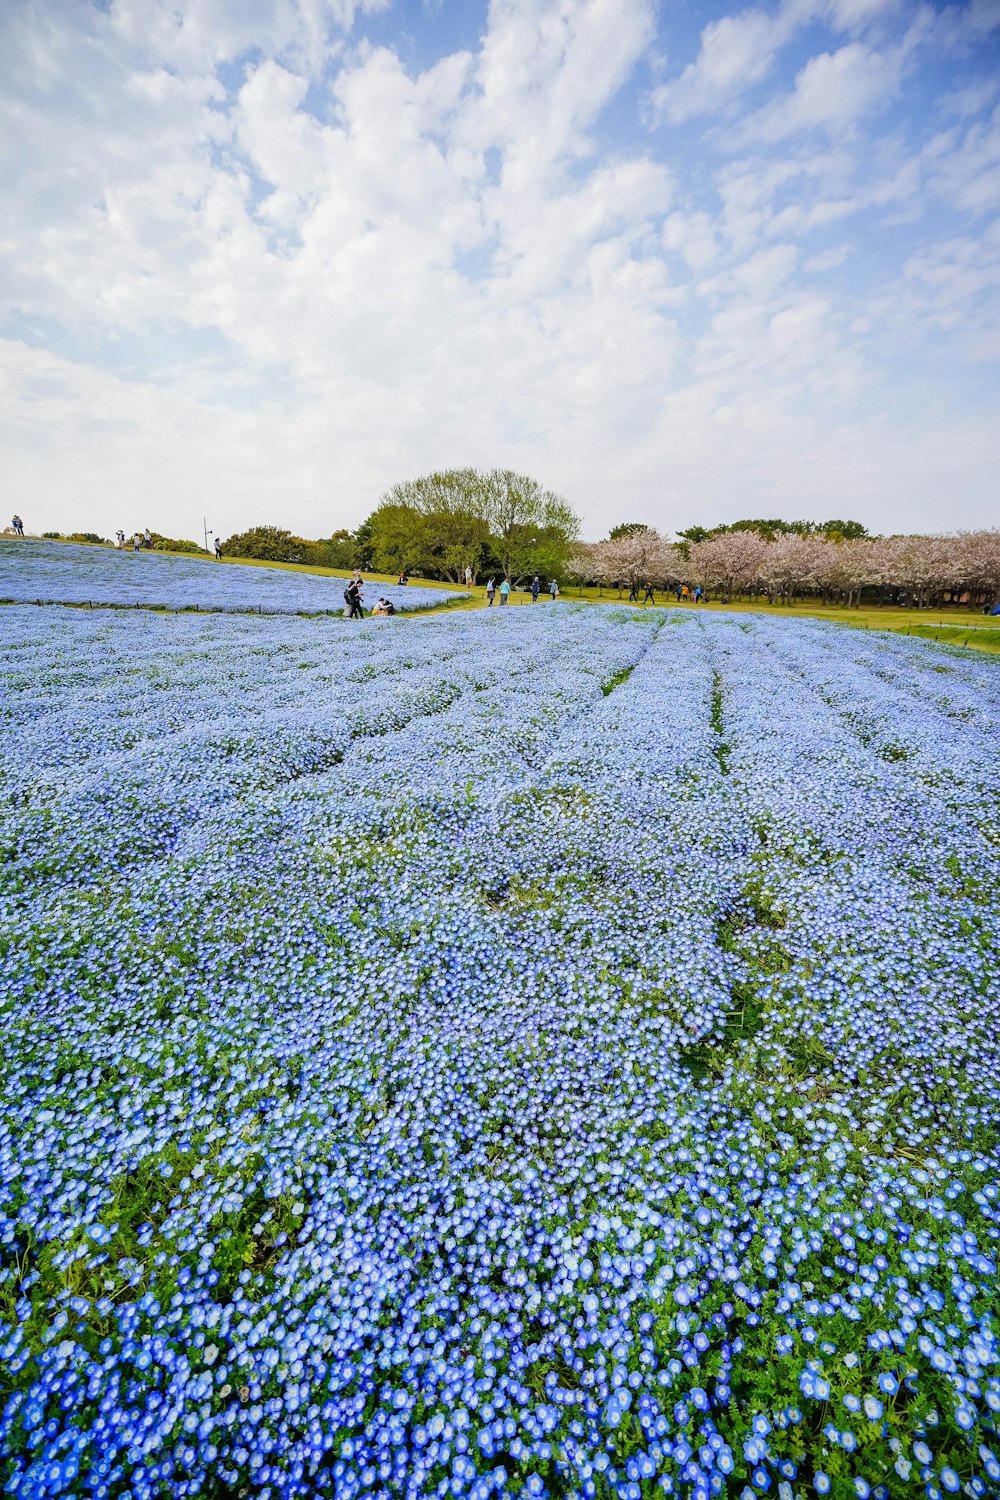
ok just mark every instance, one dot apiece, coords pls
pixel 442 523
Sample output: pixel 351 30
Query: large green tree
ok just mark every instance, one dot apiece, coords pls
pixel 532 530
pixel 442 523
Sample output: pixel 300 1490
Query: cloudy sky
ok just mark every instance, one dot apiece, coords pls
pixel 683 262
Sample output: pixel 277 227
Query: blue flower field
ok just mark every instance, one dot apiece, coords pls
pixel 523 1053
pixel 33 572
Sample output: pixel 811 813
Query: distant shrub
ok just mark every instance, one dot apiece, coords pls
pixel 274 544
pixel 174 544
pixel 52 536
pixel 269 543
pixel 87 536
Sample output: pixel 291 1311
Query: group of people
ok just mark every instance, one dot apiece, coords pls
pixel 17 526
pixel 685 594
pixel 354 599
pixel 137 541
pixel 504 589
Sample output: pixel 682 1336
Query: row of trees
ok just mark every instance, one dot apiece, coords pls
pixel 834 531
pixel 508 524
pixel 926 570
pixel 437 526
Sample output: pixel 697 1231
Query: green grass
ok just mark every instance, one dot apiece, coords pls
pixel 983 638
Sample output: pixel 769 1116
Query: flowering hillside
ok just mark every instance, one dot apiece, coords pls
pixel 539 1053
pixel 33 572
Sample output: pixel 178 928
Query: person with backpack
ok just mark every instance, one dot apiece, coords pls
pixel 352 598
pixel 491 589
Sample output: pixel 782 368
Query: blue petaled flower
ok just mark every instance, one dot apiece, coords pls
pixel 373 1061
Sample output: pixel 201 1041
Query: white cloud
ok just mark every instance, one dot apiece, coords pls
pixel 736 52
pixel 832 92
pixel 267 283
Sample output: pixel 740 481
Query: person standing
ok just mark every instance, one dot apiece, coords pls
pixel 647 597
pixel 147 537
pixel 468 576
pixel 121 539
pixel 633 593
pixel 491 589
pixel 218 549
pixel 136 541
pixel 553 591
pixel 18 525
pixel 504 591
pixel 697 594
pixel 535 587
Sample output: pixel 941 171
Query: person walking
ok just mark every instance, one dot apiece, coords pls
pixel 633 593
pixel 553 591
pixel 697 594
pixel 352 598
pixel 491 589
pixel 468 576
pixel 218 549
pixel 535 587
pixel 505 591
pixel 18 525
pixel 647 597
pixel 147 537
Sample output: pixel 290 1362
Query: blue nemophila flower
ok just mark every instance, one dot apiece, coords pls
pixel 396 1023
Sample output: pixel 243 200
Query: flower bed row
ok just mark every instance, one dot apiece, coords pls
pixel 547 1058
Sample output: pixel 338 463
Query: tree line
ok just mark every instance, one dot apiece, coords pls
pixel 507 524
pixel 783 565
pixel 437 526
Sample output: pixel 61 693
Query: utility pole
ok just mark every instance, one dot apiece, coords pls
pixel 204 523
